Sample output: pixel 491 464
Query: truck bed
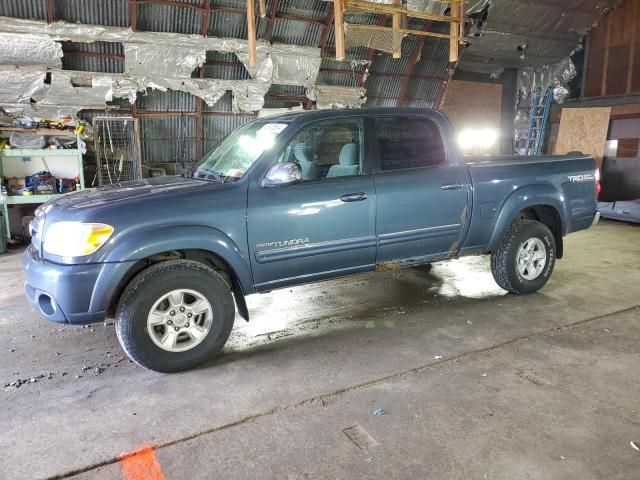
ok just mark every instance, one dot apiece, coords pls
pixel 505 185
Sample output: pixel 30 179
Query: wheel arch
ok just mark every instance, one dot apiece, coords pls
pixel 202 244
pixel 537 202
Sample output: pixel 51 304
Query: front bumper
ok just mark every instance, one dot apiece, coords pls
pixel 61 293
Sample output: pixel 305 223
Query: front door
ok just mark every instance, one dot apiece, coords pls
pixel 421 191
pixel 323 226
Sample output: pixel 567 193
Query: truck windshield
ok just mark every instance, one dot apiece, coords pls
pixel 231 159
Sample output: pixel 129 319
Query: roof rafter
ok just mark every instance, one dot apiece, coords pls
pixel 271 18
pixel 413 59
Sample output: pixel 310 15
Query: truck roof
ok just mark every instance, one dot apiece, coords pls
pixel 346 112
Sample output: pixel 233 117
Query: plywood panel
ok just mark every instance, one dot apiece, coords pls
pixel 473 105
pixel 584 130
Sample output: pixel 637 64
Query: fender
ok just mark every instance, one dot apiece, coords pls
pixel 144 243
pixel 525 197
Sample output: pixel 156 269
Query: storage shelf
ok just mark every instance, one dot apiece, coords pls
pixel 15 156
pixel 25 199
pixel 39 152
pixel 49 132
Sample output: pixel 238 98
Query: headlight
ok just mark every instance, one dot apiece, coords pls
pixel 76 239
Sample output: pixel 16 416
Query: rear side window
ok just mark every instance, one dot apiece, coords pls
pixel 408 142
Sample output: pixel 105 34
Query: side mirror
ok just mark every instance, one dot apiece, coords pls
pixel 281 174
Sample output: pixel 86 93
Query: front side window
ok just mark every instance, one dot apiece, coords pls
pixel 327 149
pixel 231 159
pixel 408 142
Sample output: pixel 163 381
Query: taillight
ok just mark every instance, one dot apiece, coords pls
pixel 598 186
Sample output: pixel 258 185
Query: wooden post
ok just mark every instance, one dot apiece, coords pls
pixel 251 31
pixel 396 36
pixel 461 24
pixel 263 8
pixel 338 22
pixel 454 41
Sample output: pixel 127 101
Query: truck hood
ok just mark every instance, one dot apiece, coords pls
pixel 93 199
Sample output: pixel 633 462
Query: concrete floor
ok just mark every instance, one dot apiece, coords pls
pixel 473 383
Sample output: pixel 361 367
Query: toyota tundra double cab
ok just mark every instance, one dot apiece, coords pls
pixel 293 199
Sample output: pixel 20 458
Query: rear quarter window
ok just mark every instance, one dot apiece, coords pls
pixel 408 142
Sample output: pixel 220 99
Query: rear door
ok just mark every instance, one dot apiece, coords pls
pixel 324 226
pixel 421 191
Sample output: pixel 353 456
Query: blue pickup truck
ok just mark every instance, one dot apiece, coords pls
pixel 293 199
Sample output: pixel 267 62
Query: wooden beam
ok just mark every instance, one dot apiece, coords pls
pixel 198 120
pixel 461 13
pixel 442 88
pixel 174 3
pixel 262 8
pixel 325 29
pixel 421 33
pixel 133 14
pixel 204 31
pixel 454 42
pixel 632 49
pixel 49 11
pixel 391 9
pixel 603 87
pixel 251 32
pixel 396 41
pixel 271 18
pixel 338 22
pixel 204 24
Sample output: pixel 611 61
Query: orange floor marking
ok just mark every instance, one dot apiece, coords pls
pixel 141 464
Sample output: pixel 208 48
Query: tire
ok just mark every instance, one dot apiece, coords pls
pixel 504 261
pixel 189 281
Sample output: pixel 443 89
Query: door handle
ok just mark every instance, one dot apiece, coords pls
pixel 354 197
pixel 451 186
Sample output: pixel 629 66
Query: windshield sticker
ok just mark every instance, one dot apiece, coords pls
pixel 273 128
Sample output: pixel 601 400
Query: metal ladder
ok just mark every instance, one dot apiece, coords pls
pixel 538 119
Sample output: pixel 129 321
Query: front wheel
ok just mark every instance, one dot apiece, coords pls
pixel 174 316
pixel 524 261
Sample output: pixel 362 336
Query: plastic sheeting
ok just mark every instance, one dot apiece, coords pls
pixel 17 87
pixel 248 95
pixel 293 64
pixel 58 98
pixel 78 32
pixel 162 60
pixel 556 76
pixel 23 91
pixel 290 64
pixel 30 50
pixel 333 96
pixel 477 5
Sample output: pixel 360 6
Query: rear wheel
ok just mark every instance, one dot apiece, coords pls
pixel 175 316
pixel 524 261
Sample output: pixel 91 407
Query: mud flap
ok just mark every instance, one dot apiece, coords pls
pixel 241 303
